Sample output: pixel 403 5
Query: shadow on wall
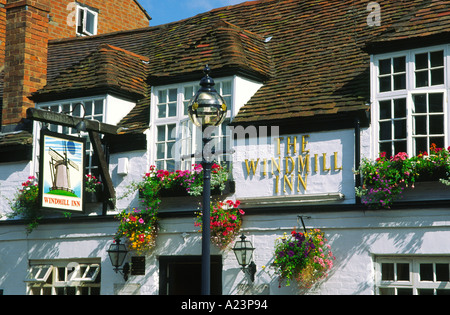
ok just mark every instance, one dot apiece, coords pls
pixel 353 271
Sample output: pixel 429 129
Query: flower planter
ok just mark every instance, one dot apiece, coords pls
pixel 93 197
pixel 384 177
pixel 180 200
pixel 425 190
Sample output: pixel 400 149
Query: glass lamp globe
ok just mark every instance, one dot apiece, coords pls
pixel 117 253
pixel 207 107
pixel 243 250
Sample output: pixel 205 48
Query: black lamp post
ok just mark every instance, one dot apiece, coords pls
pixel 117 253
pixel 243 250
pixel 206 109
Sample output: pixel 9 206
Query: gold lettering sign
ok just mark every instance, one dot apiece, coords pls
pixel 298 164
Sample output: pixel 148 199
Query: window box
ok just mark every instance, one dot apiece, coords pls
pixel 177 201
pixel 426 190
pixel 180 191
pixel 93 197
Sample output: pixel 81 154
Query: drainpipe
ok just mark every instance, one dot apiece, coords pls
pixel 357 156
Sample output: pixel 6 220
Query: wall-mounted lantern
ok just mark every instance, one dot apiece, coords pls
pixel 117 253
pixel 243 250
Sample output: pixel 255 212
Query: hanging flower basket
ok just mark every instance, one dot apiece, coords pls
pixel 302 257
pixel 225 222
pixel 139 228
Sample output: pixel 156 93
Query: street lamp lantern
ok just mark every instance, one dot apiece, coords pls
pixel 207 107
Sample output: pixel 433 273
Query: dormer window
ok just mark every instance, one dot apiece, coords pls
pixel 174 135
pixel 87 20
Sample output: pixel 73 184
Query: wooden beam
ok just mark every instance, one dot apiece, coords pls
pixel 70 121
pixel 103 167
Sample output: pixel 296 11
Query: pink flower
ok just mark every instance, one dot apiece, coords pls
pixel 401 156
pixel 141 221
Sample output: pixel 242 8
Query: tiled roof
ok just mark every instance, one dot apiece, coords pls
pixel 15 139
pixel 428 21
pixel 314 64
pixel 227 46
pixel 108 68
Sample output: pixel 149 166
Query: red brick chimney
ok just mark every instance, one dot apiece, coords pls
pixel 26 48
pixel 2 33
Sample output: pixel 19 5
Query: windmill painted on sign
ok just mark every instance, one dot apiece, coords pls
pixel 60 169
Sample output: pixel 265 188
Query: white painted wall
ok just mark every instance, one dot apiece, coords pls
pixel 116 109
pixel 355 237
pixel 244 89
pixel 12 175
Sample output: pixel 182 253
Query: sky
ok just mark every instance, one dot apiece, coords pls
pixel 167 11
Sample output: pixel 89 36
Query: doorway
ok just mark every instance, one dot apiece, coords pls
pixel 181 275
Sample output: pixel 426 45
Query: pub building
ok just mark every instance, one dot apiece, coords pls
pixel 321 101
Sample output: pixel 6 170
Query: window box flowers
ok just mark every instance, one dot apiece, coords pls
pixel 92 188
pixel 302 257
pixel 225 222
pixel 91 183
pixel 385 178
pixel 181 183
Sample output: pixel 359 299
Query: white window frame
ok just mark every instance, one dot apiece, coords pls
pixel 76 277
pixel 408 93
pixel 39 273
pixel 181 119
pixel 81 30
pixel 415 283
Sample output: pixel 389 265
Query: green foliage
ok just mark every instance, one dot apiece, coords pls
pixel 26 205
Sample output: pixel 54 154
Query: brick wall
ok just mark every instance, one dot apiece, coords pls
pixel 114 15
pixel 25 56
pixel 2 31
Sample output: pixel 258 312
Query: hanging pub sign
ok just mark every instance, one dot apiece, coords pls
pixel 61 172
